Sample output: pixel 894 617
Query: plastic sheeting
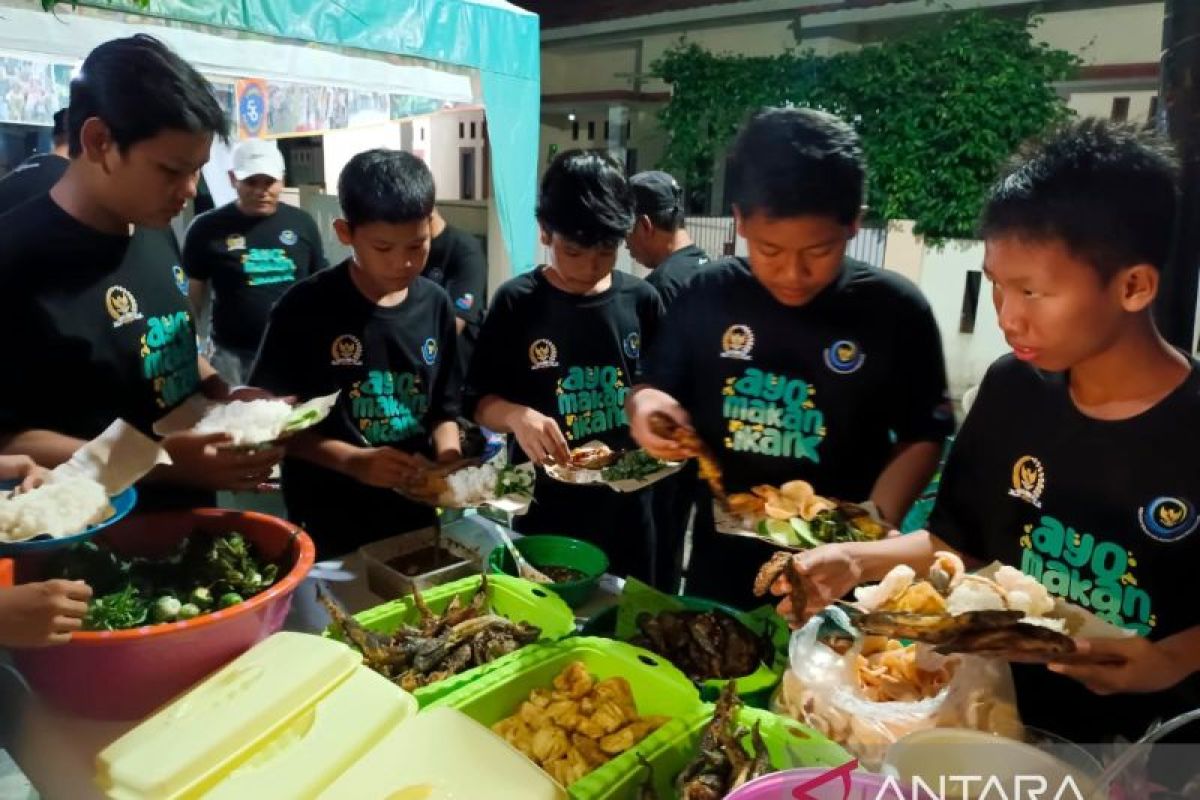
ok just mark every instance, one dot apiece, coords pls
pixel 495 38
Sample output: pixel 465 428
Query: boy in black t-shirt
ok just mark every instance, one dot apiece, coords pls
pixel 457 264
pixel 661 243
pixel 1075 463
pixel 374 329
pixel 34 176
pixel 247 253
pixel 559 350
pixel 797 363
pixel 96 300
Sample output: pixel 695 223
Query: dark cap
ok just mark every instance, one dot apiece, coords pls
pixel 655 191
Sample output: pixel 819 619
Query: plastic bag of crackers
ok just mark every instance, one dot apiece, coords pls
pixel 867 693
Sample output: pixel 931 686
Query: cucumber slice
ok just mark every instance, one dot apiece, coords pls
pixel 803 533
pixel 779 531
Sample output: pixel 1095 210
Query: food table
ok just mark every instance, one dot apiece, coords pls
pixel 57 752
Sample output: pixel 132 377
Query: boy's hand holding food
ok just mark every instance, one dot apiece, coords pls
pixel 386 467
pixel 1133 665
pixel 539 436
pixel 646 401
pixel 827 573
pixel 43 613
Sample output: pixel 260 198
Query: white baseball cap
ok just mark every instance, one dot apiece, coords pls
pixel 257 157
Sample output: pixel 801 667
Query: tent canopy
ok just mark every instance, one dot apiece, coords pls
pixel 494 37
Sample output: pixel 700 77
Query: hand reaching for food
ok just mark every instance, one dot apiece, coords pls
pixel 809 581
pixel 647 404
pixel 539 436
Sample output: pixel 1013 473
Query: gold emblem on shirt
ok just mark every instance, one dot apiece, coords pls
pixel 1028 480
pixel 347 350
pixel 543 354
pixel 121 306
pixel 235 241
pixel 737 342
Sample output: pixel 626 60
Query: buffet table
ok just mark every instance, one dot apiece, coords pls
pixel 58 752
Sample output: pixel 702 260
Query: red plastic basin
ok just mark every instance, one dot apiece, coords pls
pixel 127 674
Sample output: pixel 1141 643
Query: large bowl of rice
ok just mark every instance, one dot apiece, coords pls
pixel 126 674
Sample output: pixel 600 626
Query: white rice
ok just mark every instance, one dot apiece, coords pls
pixel 60 508
pixel 470 486
pixel 247 421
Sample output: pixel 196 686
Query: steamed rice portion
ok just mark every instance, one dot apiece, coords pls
pixel 61 508
pixel 471 486
pixel 247 421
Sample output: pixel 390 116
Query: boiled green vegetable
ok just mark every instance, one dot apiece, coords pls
pixel 116 611
pixel 138 591
pixel 636 465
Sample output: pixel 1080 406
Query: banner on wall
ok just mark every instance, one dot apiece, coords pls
pixel 31 91
pixel 252 108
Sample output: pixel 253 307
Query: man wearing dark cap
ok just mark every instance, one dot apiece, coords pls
pixel 35 175
pixel 659 241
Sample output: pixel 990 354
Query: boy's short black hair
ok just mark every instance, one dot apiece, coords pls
pixel 1108 192
pixel 792 162
pixel 385 186
pixel 585 198
pixel 139 87
pixel 59 133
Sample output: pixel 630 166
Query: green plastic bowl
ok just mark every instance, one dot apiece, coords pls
pixel 557 551
pixel 756 688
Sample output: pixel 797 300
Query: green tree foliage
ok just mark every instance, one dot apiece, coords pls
pixel 938 110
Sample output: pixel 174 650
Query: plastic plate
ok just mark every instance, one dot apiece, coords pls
pixel 122 504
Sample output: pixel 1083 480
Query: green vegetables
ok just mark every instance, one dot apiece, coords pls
pixel 117 610
pixel 635 465
pixel 512 480
pixel 843 524
pixel 205 573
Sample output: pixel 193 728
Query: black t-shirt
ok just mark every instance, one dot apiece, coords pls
pixel 98 326
pixel 1099 511
pixel 31 178
pixel 457 264
pixel 574 358
pixel 820 393
pixel 396 370
pixel 251 262
pixel 676 272
pixel 570 357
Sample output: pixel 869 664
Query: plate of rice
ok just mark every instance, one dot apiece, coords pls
pixel 469 484
pixel 259 424
pixel 57 514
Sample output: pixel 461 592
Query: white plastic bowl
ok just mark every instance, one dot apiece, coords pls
pixel 935 763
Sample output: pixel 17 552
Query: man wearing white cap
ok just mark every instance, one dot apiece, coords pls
pixel 248 253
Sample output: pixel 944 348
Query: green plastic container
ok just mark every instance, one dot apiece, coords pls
pixel 516 599
pixel 755 689
pixel 557 551
pixel 789 743
pixel 658 689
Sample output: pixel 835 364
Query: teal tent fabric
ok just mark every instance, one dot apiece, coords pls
pixel 497 39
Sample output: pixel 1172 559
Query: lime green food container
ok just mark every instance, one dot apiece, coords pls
pixel 755 689
pixel 557 551
pixel 658 690
pixel 789 743
pixel 516 599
